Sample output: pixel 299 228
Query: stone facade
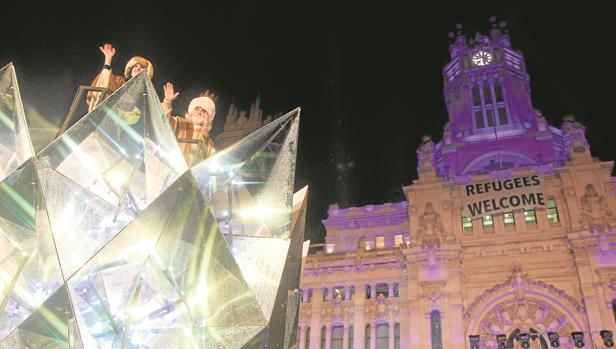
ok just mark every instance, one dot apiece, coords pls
pixel 418 274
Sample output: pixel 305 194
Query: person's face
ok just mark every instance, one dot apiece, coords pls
pixel 136 69
pixel 199 116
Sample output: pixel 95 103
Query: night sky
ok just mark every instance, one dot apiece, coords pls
pixel 368 78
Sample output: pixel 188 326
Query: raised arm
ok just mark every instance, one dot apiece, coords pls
pixel 170 96
pixel 105 77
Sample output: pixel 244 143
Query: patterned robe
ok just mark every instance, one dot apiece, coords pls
pixel 194 144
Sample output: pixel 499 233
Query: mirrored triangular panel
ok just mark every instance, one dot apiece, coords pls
pixel 29 270
pixel 123 151
pixel 168 269
pixel 15 145
pixel 253 208
pixel 76 215
pixel 49 326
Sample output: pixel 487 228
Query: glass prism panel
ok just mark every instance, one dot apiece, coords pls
pixel 76 215
pixel 212 173
pixel 255 197
pixel 29 270
pixel 168 269
pixel 15 146
pixel 123 151
pixel 48 326
pixel 253 207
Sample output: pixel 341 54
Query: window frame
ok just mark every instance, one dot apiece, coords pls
pixel 489 105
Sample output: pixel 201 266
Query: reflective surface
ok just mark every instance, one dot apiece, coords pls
pixel 109 241
pixel 15 146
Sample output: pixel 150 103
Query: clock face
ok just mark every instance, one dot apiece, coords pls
pixel 482 58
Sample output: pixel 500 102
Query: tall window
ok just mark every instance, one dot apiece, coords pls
pixel 530 217
pixel 308 338
pixel 552 211
pixel 488 222
pixel 351 338
pixel 307 295
pixel 614 308
pixel 489 105
pixel 367 336
pixel 382 336
pixel 382 290
pixel 435 326
pixel 509 219
pixel 339 293
pixel 337 337
pixel 396 290
pixel 397 336
pixel 323 337
pixel 467 224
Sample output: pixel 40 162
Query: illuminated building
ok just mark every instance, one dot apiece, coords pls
pixel 508 229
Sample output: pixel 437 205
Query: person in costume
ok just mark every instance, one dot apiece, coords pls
pixel 113 82
pixel 192 130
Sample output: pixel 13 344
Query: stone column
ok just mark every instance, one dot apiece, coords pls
pixel 520 223
pixel 302 338
pixel 347 293
pixel 373 335
pixel 315 319
pixel 345 337
pixel 359 324
pixel 390 291
pixel 391 334
pixel 330 293
pixel 328 336
pixel 373 291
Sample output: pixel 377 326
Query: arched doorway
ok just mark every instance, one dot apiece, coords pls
pixel 524 306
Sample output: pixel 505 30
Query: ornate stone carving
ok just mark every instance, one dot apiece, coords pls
pixel 573 135
pixel 327 312
pixel 538 286
pixel 526 310
pixel 426 158
pixel 305 313
pixel 431 232
pixel 596 216
pixel 348 311
pixel 382 309
pixel 518 282
pixel 432 291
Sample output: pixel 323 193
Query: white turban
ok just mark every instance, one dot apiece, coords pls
pixel 204 102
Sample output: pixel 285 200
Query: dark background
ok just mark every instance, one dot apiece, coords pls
pixel 368 78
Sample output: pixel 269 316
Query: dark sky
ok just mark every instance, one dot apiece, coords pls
pixel 368 78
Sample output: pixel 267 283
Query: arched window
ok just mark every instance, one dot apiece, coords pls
pixel 367 336
pixel 351 338
pixel 382 336
pixel 323 337
pixel 337 337
pixel 397 336
pixel 435 327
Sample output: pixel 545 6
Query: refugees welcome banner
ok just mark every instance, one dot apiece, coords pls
pixel 486 198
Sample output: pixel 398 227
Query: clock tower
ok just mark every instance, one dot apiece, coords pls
pixel 492 123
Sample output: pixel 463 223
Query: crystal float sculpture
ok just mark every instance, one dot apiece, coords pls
pixel 112 242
